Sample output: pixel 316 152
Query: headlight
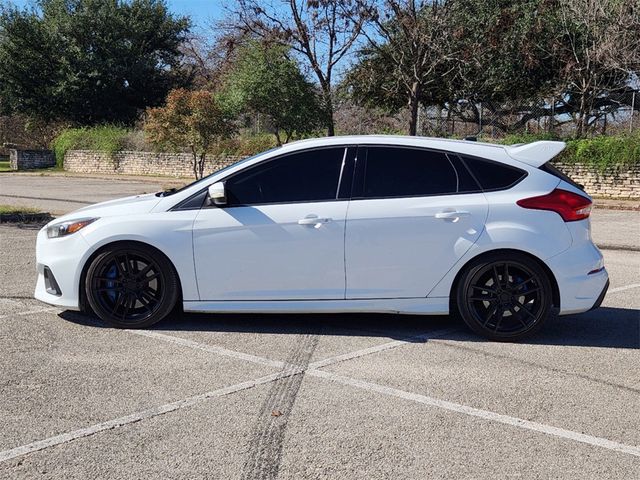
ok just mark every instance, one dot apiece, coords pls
pixel 67 228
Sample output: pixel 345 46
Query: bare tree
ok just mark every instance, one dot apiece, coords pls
pixel 208 60
pixel 598 46
pixel 408 52
pixel 322 32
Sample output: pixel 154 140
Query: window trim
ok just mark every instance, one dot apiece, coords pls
pixel 346 158
pixel 355 158
pixel 524 175
pixel 361 168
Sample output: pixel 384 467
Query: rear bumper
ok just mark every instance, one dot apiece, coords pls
pixel 581 277
pixel 602 295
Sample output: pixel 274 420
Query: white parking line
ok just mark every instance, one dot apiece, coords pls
pixel 29 312
pixel 170 407
pixel 138 416
pixel 476 412
pixel 274 363
pixel 208 348
pixel 455 407
pixel 626 287
pixel 314 371
pixel 380 348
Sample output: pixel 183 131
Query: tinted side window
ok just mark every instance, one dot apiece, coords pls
pixel 300 177
pixel 492 175
pixel 400 172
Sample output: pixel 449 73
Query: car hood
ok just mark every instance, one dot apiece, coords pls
pixel 121 206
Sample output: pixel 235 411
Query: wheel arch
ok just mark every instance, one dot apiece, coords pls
pixel 82 298
pixel 506 251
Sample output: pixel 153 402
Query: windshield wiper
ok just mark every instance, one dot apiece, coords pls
pixel 166 193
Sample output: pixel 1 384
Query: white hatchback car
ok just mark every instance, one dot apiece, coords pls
pixel 344 224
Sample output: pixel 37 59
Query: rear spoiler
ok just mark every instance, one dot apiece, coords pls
pixel 535 154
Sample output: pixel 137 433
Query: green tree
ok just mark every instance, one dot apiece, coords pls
pixel 265 80
pixel 406 58
pixel 321 32
pixel 190 119
pixel 597 55
pixel 455 54
pixel 504 56
pixel 89 61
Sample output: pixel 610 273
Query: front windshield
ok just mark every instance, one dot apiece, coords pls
pixel 171 191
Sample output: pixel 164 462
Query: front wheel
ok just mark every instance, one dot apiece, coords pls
pixel 131 286
pixel 504 297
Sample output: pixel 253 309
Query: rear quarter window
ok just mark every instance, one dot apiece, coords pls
pixel 547 167
pixel 493 175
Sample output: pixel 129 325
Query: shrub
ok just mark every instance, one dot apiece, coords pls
pixel 245 145
pixel 190 119
pixel 620 151
pixel 104 138
pixel 528 137
pixel 602 153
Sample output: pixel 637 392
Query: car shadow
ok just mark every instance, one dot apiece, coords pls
pixel 605 327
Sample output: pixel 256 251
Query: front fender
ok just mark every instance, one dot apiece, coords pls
pixel 169 232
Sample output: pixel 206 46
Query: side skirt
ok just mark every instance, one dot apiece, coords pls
pixel 411 306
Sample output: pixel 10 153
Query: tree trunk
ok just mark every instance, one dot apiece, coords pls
pixel 582 115
pixel 194 162
pixel 414 103
pixel 331 129
pixel 202 164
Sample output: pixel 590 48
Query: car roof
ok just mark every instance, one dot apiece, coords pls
pixel 401 140
pixel 533 154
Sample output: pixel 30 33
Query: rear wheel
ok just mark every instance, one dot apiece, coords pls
pixel 131 286
pixel 504 297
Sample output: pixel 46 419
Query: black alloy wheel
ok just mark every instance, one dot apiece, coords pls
pixel 131 286
pixel 505 298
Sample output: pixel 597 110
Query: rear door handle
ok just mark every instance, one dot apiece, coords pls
pixel 454 214
pixel 313 220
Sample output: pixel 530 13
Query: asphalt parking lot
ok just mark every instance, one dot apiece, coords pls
pixel 319 396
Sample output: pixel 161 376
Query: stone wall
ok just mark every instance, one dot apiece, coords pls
pixel 140 163
pixel 614 183
pixel 30 159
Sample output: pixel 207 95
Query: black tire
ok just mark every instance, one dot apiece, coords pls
pixel 130 285
pixel 505 297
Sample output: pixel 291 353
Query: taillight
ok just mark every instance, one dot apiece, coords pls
pixel 570 206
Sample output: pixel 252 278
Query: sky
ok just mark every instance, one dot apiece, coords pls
pixel 202 12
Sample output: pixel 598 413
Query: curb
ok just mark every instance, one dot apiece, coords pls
pixel 626 248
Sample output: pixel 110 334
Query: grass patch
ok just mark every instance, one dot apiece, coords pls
pixel 104 138
pixel 5 166
pixel 17 210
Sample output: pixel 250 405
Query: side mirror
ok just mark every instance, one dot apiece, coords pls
pixel 217 194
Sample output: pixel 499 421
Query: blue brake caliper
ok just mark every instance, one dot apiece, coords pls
pixel 112 273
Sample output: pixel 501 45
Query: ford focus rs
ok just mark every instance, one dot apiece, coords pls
pixel 494 234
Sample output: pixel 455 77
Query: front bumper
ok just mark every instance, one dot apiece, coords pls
pixel 64 258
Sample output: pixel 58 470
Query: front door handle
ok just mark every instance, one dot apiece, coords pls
pixel 452 214
pixel 313 220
